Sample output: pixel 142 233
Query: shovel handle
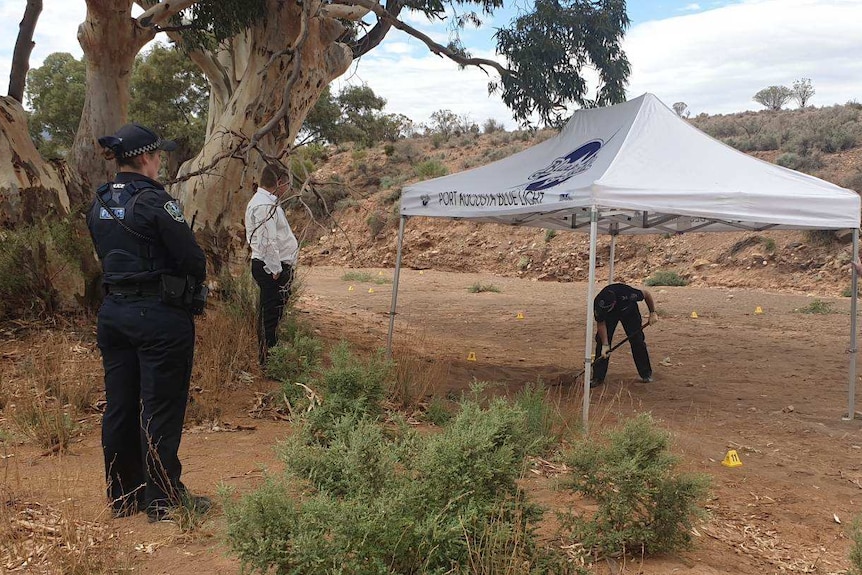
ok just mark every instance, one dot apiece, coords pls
pixel 625 339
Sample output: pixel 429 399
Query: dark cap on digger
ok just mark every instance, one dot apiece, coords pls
pixel 607 300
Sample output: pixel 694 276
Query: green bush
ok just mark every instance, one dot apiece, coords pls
pixel 372 502
pixel 31 261
pixel 364 277
pixel 644 505
pixel 430 169
pixel 296 358
pixel 817 307
pixel 856 548
pixel 541 418
pixel 376 222
pixel 351 388
pixel 665 278
pixel 240 293
pixel 479 287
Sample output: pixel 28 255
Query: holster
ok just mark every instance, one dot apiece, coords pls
pixel 175 291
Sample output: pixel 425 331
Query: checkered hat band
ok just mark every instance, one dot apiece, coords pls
pixel 143 149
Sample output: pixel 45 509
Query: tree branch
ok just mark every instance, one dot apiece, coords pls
pixel 296 49
pixel 23 48
pixel 161 11
pixel 436 48
pixel 375 36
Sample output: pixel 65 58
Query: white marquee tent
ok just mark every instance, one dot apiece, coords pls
pixel 635 168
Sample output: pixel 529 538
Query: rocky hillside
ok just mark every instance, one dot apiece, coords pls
pixel 364 186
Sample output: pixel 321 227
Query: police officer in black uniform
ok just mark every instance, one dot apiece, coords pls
pixel 152 267
pixel 618 303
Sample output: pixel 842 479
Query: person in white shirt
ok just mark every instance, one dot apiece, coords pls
pixel 274 251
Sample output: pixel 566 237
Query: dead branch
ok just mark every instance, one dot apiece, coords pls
pixel 23 47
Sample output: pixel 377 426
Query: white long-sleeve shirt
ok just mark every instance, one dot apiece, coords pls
pixel 268 233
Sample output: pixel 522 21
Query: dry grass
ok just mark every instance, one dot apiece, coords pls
pixel 225 357
pixel 55 539
pixel 416 376
pixel 50 390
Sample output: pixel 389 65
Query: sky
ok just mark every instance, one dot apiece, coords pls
pixel 713 55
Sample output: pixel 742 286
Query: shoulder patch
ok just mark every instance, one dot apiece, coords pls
pixel 173 209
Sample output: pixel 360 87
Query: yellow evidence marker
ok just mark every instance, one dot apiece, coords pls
pixel 370 290
pixel 694 315
pixel 732 459
pixel 520 315
pixel 350 288
pixel 471 356
pixel 758 310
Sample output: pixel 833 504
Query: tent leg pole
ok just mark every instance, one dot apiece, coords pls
pixel 395 288
pixel 612 259
pixel 851 375
pixel 588 346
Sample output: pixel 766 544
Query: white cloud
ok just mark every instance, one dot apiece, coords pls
pixel 690 8
pixel 715 61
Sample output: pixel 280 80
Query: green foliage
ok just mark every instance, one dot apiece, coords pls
pixel 479 287
pixel 364 277
pixel 823 238
pixel 55 92
pixel 430 169
pixel 445 123
pixel 802 163
pixel 768 244
pixel 491 125
pixel 549 235
pixel 644 505
pixel 167 92
pixel 856 547
pixel 437 412
pixel 239 293
pixel 170 94
pixel 213 22
pixel 541 418
pixel 32 259
pixel 802 91
pixel 547 48
pixel 801 132
pixel 665 278
pixel 351 388
pixel 773 97
pixel 817 307
pixel 386 503
pixel 296 358
pixel 354 115
pixel 376 222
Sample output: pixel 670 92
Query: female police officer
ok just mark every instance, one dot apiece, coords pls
pixel 151 264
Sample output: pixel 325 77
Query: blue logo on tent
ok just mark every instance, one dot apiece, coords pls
pixel 565 167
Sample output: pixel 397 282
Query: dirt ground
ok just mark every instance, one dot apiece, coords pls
pixel 772 386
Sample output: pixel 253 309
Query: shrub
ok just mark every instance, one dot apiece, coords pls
pixel 644 505
pixel 479 287
pixel 541 418
pixel 803 163
pixel 817 306
pixel 376 222
pixel 364 277
pixel 491 125
pixel 437 412
pixel 665 278
pixel 376 502
pixel 549 235
pixel 295 359
pixel 239 293
pixel 430 169
pixel 856 548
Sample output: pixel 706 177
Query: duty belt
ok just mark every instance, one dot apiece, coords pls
pixel 141 289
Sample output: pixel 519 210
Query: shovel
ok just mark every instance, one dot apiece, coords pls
pixel 625 339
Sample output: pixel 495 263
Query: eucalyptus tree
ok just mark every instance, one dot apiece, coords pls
pixel 268 61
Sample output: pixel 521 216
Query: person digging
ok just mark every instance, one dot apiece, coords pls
pixel 618 303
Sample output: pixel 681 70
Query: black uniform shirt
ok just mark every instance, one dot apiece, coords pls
pixel 626 296
pixel 159 216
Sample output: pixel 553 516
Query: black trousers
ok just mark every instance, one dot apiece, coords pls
pixel 147 352
pixel 631 320
pixel 273 299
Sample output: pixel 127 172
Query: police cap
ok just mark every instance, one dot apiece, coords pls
pixel 133 140
pixel 607 300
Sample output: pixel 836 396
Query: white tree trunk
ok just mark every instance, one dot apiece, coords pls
pixel 30 188
pixel 111 39
pixel 244 98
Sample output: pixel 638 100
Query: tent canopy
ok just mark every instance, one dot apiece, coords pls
pixel 647 171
